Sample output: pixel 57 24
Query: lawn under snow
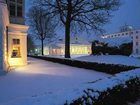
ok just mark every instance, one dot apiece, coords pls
pixel 45 83
pixel 111 59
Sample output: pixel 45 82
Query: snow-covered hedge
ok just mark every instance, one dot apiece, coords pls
pixel 101 67
pixel 117 90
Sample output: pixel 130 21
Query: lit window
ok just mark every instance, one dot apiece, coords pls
pixel 16 52
pixel 16 48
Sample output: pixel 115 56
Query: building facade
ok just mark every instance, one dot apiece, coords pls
pixel 134 34
pixel 13 34
pixel 78 47
pixel 136 44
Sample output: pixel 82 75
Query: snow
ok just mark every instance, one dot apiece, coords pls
pixel 111 59
pixel 110 82
pixel 45 83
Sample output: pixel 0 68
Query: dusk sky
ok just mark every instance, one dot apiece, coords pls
pixel 128 13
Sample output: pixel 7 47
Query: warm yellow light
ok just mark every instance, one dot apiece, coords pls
pixel 16 62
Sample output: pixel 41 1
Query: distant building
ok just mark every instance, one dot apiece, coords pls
pixel 13 33
pixel 133 34
pixel 77 47
pixel 136 44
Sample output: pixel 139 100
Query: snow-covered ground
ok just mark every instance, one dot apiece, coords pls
pixel 111 59
pixel 45 83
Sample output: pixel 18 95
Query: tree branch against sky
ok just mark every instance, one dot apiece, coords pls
pixel 84 14
pixel 41 24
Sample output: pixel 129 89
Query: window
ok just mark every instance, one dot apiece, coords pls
pixel 137 37
pixel 16 41
pixel 126 34
pixel 16 52
pixel 16 48
pixel 19 11
pixel 137 43
pixel 12 10
pixel 137 32
pixel 137 51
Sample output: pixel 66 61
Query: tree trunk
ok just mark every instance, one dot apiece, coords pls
pixel 67 40
pixel 42 47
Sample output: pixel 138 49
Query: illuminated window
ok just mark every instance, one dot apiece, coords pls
pixel 16 48
pixel 16 52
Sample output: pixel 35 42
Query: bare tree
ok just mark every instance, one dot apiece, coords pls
pixel 80 15
pixel 40 24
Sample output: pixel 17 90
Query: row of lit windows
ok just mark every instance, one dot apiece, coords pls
pixel 16 49
pixel 137 43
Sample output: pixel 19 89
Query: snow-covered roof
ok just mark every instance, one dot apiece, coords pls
pixel 117 41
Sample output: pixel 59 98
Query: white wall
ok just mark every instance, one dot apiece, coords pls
pixel 136 43
pixel 4 21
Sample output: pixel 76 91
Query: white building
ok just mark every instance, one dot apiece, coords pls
pixel 78 47
pixel 136 44
pixel 13 33
pixel 133 34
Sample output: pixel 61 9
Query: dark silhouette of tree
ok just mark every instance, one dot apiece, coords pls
pixel 40 24
pixel 30 45
pixel 80 15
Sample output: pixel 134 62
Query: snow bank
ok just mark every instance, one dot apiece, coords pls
pixel 111 82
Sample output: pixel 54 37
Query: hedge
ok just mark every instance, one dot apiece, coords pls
pixel 101 67
pixel 121 94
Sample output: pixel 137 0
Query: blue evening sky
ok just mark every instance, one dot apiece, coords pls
pixel 128 13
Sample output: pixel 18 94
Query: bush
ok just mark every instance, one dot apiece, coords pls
pixel 120 94
pixel 98 48
pixel 101 67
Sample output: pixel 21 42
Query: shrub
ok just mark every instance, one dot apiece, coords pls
pixel 101 67
pixel 127 90
pixel 98 48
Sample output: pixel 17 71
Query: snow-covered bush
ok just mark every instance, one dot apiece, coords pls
pixel 118 90
pixel 101 67
pixel 103 48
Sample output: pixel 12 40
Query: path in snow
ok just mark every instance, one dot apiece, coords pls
pixel 44 83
